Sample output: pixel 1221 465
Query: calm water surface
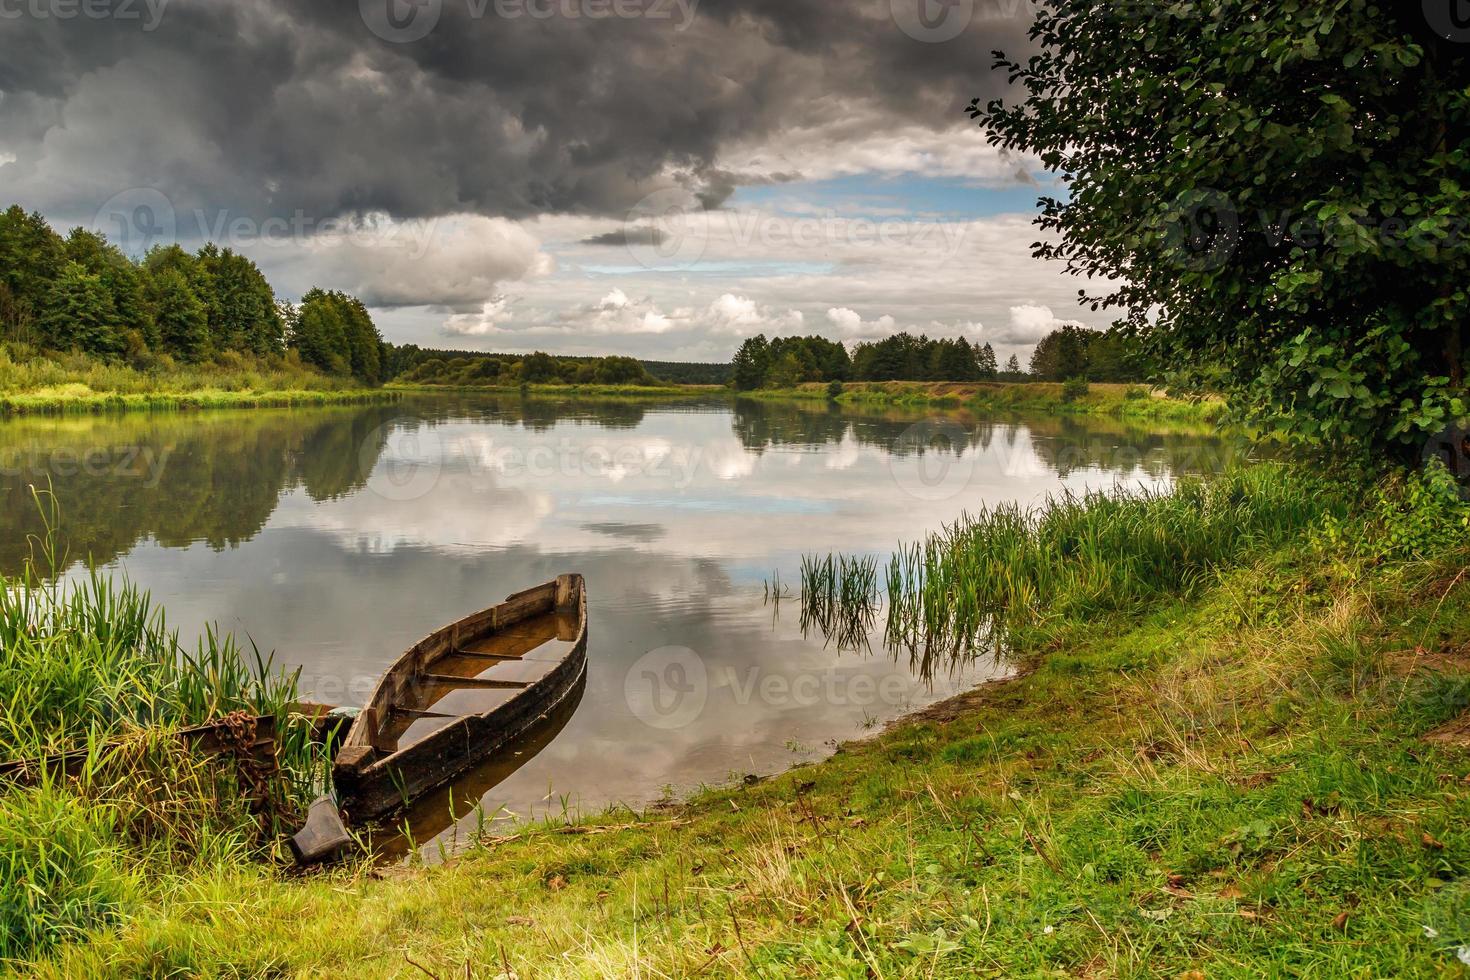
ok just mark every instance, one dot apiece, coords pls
pixel 338 537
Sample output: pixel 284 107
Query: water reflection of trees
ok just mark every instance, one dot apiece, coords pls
pixel 214 478
pixel 1063 444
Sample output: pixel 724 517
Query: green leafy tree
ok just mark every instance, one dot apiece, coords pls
pixel 1278 191
pixel 1013 366
pixel 751 363
pixel 119 275
pixel 240 302
pixel 786 371
pixel 78 313
pixel 31 254
pixel 319 335
pixel 180 324
pixel 1063 353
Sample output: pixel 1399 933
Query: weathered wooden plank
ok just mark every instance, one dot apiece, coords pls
pixel 487 683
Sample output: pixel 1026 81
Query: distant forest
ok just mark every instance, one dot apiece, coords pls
pixel 81 293
pixel 1066 353
pixel 422 365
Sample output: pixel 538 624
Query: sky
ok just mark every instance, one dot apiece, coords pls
pixel 659 178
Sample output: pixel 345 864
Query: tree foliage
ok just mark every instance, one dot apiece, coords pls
pixel 1275 189
pixel 83 293
pixel 507 370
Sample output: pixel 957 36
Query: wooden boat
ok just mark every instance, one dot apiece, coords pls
pixel 460 695
pixel 436 811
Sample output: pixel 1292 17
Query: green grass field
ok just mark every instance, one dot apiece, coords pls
pixel 1256 766
pixel 73 383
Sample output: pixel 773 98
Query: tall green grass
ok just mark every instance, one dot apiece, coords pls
pixel 31 382
pixel 1010 576
pixel 839 598
pixel 61 870
pixel 1012 573
pixel 94 687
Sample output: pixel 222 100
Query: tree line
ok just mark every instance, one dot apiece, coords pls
pixel 501 370
pixel 1069 352
pixel 82 293
pixel 404 358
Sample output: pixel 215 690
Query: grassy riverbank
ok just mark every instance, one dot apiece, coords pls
pixel 1039 397
pixel 90 673
pixel 59 384
pixel 1254 762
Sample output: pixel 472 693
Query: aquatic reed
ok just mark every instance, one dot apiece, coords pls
pixel 1011 573
pixel 839 598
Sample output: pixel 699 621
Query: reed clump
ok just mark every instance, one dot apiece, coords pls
pixel 1013 575
pixel 840 598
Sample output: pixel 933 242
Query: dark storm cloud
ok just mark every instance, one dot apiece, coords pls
pixel 629 236
pixel 262 108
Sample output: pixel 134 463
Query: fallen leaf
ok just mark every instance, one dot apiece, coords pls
pixel 1430 842
pixel 556 883
pixel 1340 922
pixel 520 920
pixel 1231 892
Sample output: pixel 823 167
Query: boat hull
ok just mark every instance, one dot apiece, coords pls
pixel 371 786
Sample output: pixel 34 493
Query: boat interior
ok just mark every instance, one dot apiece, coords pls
pixel 476 676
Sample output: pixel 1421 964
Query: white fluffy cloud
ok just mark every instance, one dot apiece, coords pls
pixel 844 278
pixel 456 263
pixel 849 324
pixel 1029 323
